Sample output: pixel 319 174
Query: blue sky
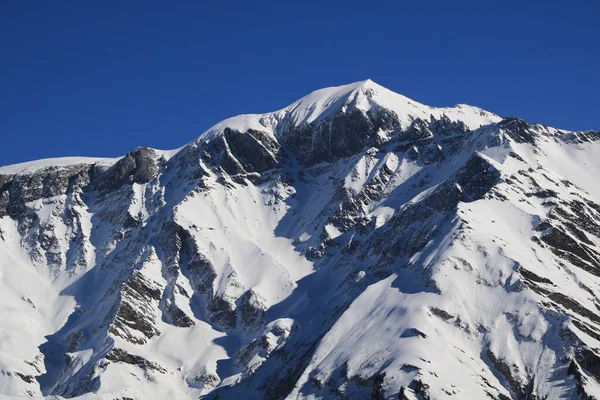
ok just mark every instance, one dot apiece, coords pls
pixel 99 78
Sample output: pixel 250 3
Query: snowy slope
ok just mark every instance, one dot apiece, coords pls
pixel 355 244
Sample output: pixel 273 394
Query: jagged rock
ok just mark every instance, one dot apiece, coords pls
pixel 129 317
pixel 222 311
pixel 446 127
pixel 520 391
pixel 176 315
pixel 138 166
pixel 206 380
pixel 383 119
pixel 416 132
pixel 222 156
pixel 17 190
pixel 581 137
pixel 25 378
pixel 352 131
pixel 404 236
pixel 564 246
pixel 122 356
pixel 135 312
pixel 202 272
pixel 476 178
pixel 518 130
pixel 251 308
pixel 255 150
pixel 421 389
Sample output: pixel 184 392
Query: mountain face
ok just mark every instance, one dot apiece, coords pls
pixel 355 244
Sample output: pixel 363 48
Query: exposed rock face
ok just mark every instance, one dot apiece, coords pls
pixel 417 131
pixel 346 134
pixel 348 246
pixel 17 190
pixel 446 127
pixel 256 151
pixel 138 166
pixel 135 312
pixel 518 130
pixel 477 178
pixel 581 137
pixel 120 355
pixel 239 153
pixel 252 309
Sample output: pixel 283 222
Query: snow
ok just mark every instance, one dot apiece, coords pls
pixel 32 166
pixel 340 309
pixel 332 231
pixel 382 215
pixel 579 164
pixel 28 311
pixel 168 154
pixel 231 226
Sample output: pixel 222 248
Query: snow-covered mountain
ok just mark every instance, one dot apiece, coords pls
pixel 355 244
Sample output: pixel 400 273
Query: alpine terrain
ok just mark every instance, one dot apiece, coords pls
pixel 354 245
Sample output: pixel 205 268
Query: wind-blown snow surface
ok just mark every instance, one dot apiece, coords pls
pixel 355 244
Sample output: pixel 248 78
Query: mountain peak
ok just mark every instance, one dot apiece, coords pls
pixel 368 84
pixel 363 95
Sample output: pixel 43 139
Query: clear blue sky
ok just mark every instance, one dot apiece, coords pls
pixel 98 78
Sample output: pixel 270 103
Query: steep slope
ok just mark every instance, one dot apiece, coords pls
pixel 354 244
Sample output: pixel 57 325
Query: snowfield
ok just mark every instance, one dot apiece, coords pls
pixel 355 244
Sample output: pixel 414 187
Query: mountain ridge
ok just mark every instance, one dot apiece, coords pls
pixel 336 95
pixel 373 252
